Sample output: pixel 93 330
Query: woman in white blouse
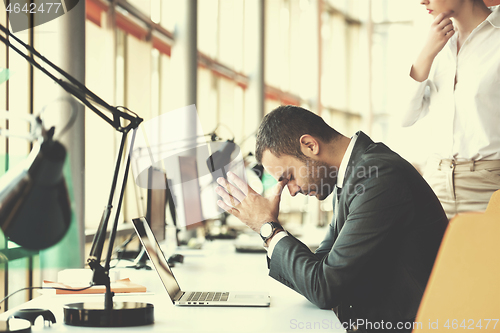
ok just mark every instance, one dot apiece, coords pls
pixel 456 80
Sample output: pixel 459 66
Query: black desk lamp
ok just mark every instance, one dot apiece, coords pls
pixel 219 162
pixel 109 313
pixel 35 209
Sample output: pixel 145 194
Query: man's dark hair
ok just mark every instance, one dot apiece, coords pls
pixel 281 129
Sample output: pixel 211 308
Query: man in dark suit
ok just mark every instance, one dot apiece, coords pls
pixel 379 250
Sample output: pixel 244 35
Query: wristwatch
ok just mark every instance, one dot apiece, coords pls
pixel 269 229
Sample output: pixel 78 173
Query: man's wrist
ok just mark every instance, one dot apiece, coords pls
pixel 275 241
pixel 274 234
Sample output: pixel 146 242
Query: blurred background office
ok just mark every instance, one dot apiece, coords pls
pixel 235 60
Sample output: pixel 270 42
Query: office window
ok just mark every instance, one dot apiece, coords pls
pixel 231 21
pixel 207 100
pixel 125 70
pixel 144 6
pixel 100 138
pixel 223 36
pixel 335 52
pixel 357 66
pixel 166 83
pixel 17 98
pixel 344 63
pixel 273 53
pixel 208 18
pixel 169 13
pixel 303 49
pixel 399 30
pixel 394 10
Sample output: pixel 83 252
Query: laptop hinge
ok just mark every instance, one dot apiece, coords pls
pixel 179 295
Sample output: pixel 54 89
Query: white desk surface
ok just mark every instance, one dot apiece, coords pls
pixel 217 267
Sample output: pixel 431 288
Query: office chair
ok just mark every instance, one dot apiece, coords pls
pixel 494 204
pixel 463 291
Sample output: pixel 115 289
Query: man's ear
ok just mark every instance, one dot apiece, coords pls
pixel 309 146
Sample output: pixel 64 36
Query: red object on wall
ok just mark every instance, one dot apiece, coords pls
pixel 490 3
pixel 94 10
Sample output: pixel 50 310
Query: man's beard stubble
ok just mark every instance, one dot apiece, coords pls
pixel 322 178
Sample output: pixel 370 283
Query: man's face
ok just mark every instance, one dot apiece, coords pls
pixel 311 177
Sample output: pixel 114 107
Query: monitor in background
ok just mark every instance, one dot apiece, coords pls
pixel 191 199
pixel 155 211
pixel 157 202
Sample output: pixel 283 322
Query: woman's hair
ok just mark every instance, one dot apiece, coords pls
pixel 281 129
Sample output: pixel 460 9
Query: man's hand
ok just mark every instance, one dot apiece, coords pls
pixel 247 205
pixel 439 34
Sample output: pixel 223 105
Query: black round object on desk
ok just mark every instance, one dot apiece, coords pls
pixel 123 314
pixel 15 325
pixel 33 314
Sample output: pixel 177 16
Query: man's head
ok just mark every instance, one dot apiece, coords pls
pixel 295 144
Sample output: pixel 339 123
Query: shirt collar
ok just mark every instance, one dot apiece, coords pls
pixel 345 160
pixel 494 17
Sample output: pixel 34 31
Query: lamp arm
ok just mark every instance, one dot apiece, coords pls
pixel 88 98
pixel 112 236
pixel 36 53
pixel 100 236
pixel 74 87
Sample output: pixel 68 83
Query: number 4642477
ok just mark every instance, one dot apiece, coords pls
pixel 15 7
pixel 471 324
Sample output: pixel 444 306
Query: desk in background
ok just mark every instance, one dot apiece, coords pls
pixel 216 267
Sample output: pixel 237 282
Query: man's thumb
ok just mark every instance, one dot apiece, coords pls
pixel 278 189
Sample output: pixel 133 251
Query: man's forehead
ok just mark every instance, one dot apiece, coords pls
pixel 277 166
pixel 271 161
pixel 279 173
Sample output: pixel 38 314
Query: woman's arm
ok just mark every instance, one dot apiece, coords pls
pixel 439 34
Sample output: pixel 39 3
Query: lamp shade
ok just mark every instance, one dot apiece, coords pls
pixel 221 158
pixel 35 209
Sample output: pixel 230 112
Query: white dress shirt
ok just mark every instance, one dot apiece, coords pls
pixel 340 181
pixel 466 116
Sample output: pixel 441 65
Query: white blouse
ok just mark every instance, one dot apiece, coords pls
pixel 466 116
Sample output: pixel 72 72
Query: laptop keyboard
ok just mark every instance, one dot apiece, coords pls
pixel 208 297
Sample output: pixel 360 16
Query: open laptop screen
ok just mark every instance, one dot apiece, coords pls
pixel 156 256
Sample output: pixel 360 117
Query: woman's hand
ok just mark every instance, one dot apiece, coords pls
pixel 441 31
pixel 439 34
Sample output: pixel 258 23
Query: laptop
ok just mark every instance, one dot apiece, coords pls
pixel 191 298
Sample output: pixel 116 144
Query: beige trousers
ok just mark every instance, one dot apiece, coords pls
pixel 463 186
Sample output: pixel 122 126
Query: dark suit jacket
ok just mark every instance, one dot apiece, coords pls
pixel 374 262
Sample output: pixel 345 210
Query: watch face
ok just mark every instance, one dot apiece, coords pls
pixel 266 230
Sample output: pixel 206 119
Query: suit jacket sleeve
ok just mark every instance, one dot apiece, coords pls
pixel 326 245
pixel 375 213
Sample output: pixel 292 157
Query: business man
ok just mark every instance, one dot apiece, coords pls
pixel 379 250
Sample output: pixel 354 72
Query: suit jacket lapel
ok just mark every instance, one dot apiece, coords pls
pixel 362 144
pixel 336 204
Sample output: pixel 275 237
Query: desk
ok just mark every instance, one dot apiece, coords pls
pixel 216 267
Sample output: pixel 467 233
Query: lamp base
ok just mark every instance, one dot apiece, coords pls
pixel 123 314
pixel 15 325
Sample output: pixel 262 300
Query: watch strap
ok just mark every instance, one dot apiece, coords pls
pixel 275 227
